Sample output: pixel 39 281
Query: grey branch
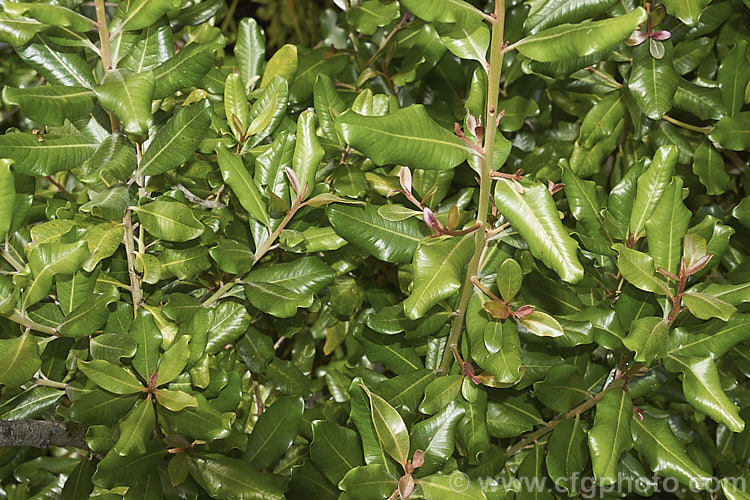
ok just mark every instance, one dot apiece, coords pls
pixel 42 434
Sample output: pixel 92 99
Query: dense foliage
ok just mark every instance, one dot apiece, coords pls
pixel 440 249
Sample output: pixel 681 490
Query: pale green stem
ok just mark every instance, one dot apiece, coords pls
pixel 490 123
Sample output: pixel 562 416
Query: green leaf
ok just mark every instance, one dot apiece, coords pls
pixel 175 143
pixel 313 63
pixel 648 338
pixel 501 353
pixel 534 215
pixel 51 14
pixel 705 306
pixel 234 173
pixel 509 279
pixel 86 318
pixel 175 400
pixel 708 165
pixel 136 428
pixel 367 17
pixel 170 221
pixel 638 268
pixel 115 469
pixel 110 377
pixel 733 77
pixel 703 102
pixel 49 259
pixel 283 63
pixel 185 263
pixel 112 347
pixel 568 41
pixel 458 12
pixel 79 485
pixel 268 110
pixel 335 449
pixel 51 154
pixel 455 486
pixel 407 137
pixel 439 271
pixel 440 392
pixel 137 14
pixel 512 417
pixel 99 407
pixel 540 324
pixel 156 46
pixel 651 186
pixel 275 299
pixel 368 482
pixel 201 422
pixel 184 70
pixel 466 43
pixel 17 31
pixel 51 104
pixel 713 339
pixel 383 239
pixel 7 196
pixel 274 431
pixel 227 478
pixel 555 12
pixel 30 403
pixel 567 453
pixel 666 227
pixel 732 132
pixel 665 454
pixel 57 65
pixel 702 388
pixel 308 152
pixel 19 360
pixel 653 82
pixel 232 257
pixel 583 200
pixel 687 11
pixel 287 378
pixel 389 427
pixel 113 160
pixel 610 436
pixel 173 361
pixel 562 388
pixel 435 437
pixel 128 96
pixel 250 52
pixel 236 107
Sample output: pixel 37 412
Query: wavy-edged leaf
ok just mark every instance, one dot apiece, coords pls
pixel 666 227
pixel 250 52
pixel 651 185
pixel 53 15
pixel 389 427
pixel 184 70
pixel 435 436
pixel 534 215
pixel 170 221
pixel 369 15
pixel 137 14
pixel 407 137
pixel 369 481
pixel 45 154
pixel 274 431
pixel 648 338
pixel 567 453
pixel 438 269
pixel 17 31
pixel 175 400
pixel 275 299
pixel 702 388
pixel 385 240
pixel 665 454
pixel 227 478
pixel 512 417
pixel 703 102
pixel 458 12
pixel 610 436
pixel 705 306
pixel 48 259
pixel 733 76
pixel 335 449
pixel 51 104
pixel 268 110
pixel 308 152
pixel 128 96
pixel 110 376
pixel 136 428
pixel 175 143
pixel 708 165
pixel 114 160
pixel 58 66
pixel 282 64
pixel 687 11
pixel 156 46
pixel 7 196
pixel 19 360
pixel 732 132
pixel 466 43
pixel 568 41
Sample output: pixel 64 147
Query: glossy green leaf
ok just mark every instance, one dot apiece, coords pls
pixel 274 431
pixel 702 389
pixel 610 436
pixel 173 361
pixel 703 102
pixel 115 469
pixel 567 453
pixel 368 482
pixel 169 221
pixel 435 437
pixel 313 63
pixel 509 279
pixel 453 486
pixel 176 141
pixel 19 359
pixel 79 485
pixel 110 377
pixel 17 31
pixel 732 132
pixel 555 12
pixel 54 15
pixel 466 43
pixel 236 107
pixel 51 154
pixel 639 269
pixel 236 175
pixel 651 186
pixel 51 104
pixel 438 269
pixel 562 388
pixel 308 152
pixel 232 257
pixel 48 259
pixel 733 76
pixel 440 392
pixel 370 15
pixel 335 449
pixel 59 67
pixel 137 14
pixel 511 417
pixel 268 110
pixel 175 400
pixel 136 428
pixel 666 227
pixel 7 196
pixel 128 96
pixel 653 82
pixel 283 64
pixel 568 41
pixel 86 318
pixel 534 215
pixel 275 299
pixel 184 70
pixel 389 427
pixel 407 137
pixel 687 11
pixel 250 52
pixel 446 11
pixel 385 240
pixel 156 46
pixel 708 165
pixel 328 106
pixel 540 324
pixel 648 338
pixel 665 454
pixel 227 478
pixel 705 306
pixel 500 353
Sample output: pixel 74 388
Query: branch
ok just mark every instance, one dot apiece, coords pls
pixel 42 434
